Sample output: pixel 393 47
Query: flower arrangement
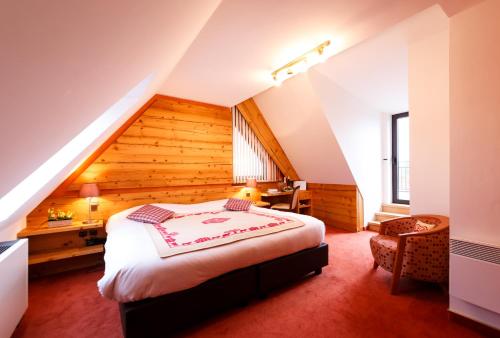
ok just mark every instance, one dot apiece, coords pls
pixel 59 217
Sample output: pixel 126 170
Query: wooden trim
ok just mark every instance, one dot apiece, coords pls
pixel 259 126
pixel 45 230
pixel 61 189
pixel 360 210
pixel 181 100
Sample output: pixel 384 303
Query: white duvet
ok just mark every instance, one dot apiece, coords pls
pixel 135 271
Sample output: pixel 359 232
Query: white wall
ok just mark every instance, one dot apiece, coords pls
pixel 357 128
pixel 294 113
pixel 474 140
pixel 429 123
pixel 329 135
pixel 9 232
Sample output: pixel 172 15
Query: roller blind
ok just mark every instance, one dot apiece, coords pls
pixel 250 159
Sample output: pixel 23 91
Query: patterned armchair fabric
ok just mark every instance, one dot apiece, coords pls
pixel 399 249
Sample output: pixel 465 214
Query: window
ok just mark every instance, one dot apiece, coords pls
pixel 250 159
pixel 401 158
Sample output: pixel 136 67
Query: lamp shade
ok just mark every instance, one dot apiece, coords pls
pixel 89 190
pixel 251 183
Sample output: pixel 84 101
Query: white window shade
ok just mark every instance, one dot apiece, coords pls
pixel 250 159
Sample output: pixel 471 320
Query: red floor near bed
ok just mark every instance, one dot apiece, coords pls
pixel 348 300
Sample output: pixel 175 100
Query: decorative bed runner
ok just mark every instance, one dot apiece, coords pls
pixel 190 232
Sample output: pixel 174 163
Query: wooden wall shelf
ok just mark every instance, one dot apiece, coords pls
pixel 54 255
pixel 43 229
pixel 49 247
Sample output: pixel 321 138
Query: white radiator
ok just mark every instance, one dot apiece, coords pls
pixel 13 284
pixel 475 274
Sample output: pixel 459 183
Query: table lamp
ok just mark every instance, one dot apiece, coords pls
pixel 251 184
pixel 89 190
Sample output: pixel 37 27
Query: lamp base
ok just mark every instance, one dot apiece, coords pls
pixel 90 221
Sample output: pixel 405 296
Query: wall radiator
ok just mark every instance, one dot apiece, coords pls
pixel 475 273
pixel 13 284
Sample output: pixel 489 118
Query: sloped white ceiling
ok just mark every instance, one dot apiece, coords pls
pixel 63 63
pixel 376 70
pixel 294 113
pixel 244 41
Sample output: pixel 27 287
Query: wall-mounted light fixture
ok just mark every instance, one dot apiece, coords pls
pixel 302 63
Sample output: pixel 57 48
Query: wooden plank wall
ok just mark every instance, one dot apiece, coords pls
pixel 173 143
pixel 337 205
pixel 179 151
pixel 175 151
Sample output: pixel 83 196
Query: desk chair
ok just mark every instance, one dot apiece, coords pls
pixel 291 205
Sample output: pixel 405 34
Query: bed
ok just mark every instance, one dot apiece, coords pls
pixel 157 295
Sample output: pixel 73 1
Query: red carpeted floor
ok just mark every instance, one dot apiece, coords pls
pixel 349 299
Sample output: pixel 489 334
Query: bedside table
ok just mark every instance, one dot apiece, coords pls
pixel 57 249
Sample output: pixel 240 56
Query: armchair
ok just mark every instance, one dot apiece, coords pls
pixel 401 249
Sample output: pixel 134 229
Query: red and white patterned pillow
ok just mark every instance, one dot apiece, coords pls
pixel 235 204
pixel 421 226
pixel 151 214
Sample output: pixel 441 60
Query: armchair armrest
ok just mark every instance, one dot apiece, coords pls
pixel 406 225
pixel 423 233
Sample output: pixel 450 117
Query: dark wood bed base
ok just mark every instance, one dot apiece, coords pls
pixel 164 315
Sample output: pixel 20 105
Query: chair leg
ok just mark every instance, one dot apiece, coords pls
pixel 398 265
pixel 375 265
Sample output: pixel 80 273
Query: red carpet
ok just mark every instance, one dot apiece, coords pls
pixel 348 300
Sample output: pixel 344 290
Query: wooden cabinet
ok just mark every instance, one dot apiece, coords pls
pixel 57 249
pixel 305 202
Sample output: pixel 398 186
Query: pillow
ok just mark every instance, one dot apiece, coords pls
pixel 151 214
pixel 421 226
pixel 235 204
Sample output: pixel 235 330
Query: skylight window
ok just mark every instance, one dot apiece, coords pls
pixel 20 194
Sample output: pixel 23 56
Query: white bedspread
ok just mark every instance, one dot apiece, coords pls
pixel 134 270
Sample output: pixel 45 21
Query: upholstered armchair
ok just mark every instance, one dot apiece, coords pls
pixel 413 249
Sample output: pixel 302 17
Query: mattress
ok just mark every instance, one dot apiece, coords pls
pixel 134 270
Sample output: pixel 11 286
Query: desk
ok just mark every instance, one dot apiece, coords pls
pixel 305 199
pixel 261 204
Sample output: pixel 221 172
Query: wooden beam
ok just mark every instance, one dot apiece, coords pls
pixel 360 210
pixel 259 126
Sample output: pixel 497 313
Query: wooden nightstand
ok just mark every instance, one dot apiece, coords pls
pixel 57 249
